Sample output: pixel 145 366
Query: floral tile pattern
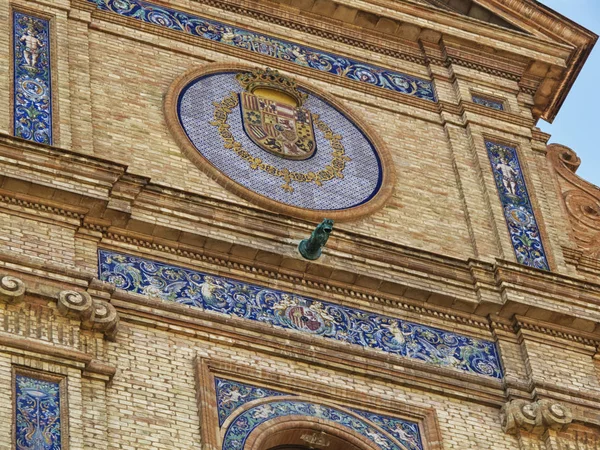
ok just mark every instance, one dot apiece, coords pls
pixel 269 46
pixel 293 312
pixel 32 82
pixel 518 212
pixel 231 395
pixel 38 423
pixel 489 103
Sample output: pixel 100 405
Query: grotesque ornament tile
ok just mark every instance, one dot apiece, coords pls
pixel 32 82
pixel 282 145
pixel 270 47
pixel 232 395
pixel 518 211
pixel 38 421
pixel 286 310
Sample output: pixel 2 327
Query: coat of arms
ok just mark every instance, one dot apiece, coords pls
pixel 273 116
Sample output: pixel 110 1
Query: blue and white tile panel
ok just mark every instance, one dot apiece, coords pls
pixel 488 102
pixel 232 395
pixel 38 421
pixel 294 312
pixel 270 46
pixel 32 80
pixel 518 211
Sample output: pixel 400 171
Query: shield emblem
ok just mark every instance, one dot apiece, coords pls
pixel 278 128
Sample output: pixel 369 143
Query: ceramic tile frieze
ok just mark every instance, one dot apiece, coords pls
pixel 488 103
pixel 269 46
pixel 293 312
pixel 38 421
pixel 518 212
pixel 231 395
pixel 32 81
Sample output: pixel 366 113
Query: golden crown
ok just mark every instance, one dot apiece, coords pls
pixel 270 79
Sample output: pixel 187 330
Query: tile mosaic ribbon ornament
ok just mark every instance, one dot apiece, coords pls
pixel 518 212
pixel 38 422
pixel 293 312
pixel 32 81
pixel 270 46
pixel 231 395
pixel 345 171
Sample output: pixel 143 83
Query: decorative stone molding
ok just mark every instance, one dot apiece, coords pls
pixel 12 289
pixel 535 417
pixel 581 200
pixel 94 314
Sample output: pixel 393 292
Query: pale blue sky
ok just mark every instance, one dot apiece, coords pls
pixel 577 124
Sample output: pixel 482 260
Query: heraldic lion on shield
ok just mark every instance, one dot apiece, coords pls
pixel 273 116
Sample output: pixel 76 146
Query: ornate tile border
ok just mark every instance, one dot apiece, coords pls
pixel 488 102
pixel 39 411
pixel 32 96
pixel 518 211
pixel 232 395
pixel 293 312
pixel 270 46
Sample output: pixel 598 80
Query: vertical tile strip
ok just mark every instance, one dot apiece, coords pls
pixel 32 81
pixel 38 421
pixel 518 212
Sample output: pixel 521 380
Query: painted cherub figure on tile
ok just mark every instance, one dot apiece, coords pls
pixel 509 176
pixel 33 47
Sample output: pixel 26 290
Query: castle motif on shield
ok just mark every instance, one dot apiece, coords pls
pixel 273 116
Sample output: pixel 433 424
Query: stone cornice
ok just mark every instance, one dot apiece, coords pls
pixel 416 280
pixel 555 41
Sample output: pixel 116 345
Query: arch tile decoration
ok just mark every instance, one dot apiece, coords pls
pixel 232 395
pixel 311 159
pixel 270 46
pixel 518 211
pixel 289 311
pixel 32 79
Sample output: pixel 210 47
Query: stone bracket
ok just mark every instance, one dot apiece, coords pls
pixel 535 417
pixel 96 315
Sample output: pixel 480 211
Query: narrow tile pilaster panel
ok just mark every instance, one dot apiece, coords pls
pixel 232 395
pixel 270 46
pixel 38 419
pixel 294 312
pixel 32 81
pixel 518 211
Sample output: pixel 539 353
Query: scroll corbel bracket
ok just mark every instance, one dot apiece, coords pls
pixel 535 417
pixel 96 315
pixel 12 289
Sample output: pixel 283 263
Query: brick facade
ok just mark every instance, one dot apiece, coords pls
pixel 137 370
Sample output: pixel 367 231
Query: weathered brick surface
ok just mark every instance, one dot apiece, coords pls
pixel 143 391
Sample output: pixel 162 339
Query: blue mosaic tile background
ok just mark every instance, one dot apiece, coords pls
pixel 518 212
pixel 32 81
pixel 488 103
pixel 38 423
pixel 269 46
pixel 362 173
pixel 289 311
pixel 231 395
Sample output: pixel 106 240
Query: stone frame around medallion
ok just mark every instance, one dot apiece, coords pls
pixel 206 369
pixel 61 380
pixel 378 201
pixel 53 62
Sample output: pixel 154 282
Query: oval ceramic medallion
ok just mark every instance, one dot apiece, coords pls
pixel 283 145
